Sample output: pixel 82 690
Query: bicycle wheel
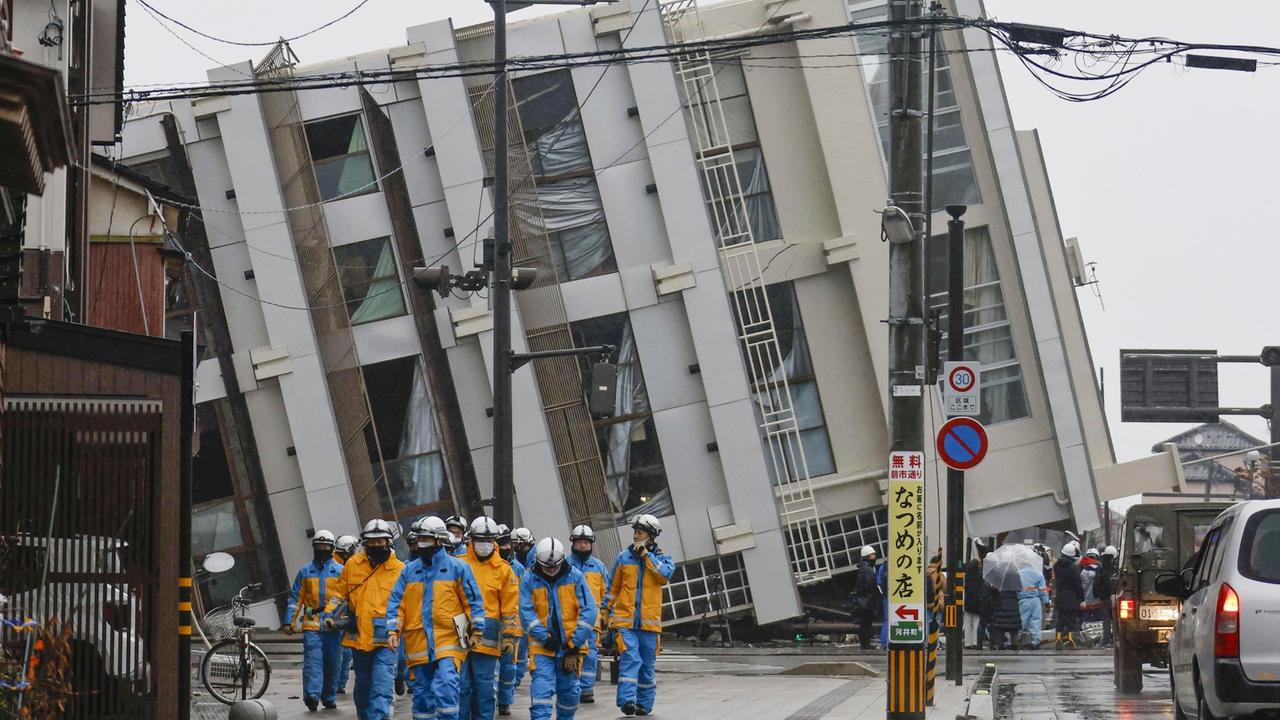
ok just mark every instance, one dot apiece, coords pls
pixel 227 680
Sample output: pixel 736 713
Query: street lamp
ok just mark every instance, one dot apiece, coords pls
pixel 896 225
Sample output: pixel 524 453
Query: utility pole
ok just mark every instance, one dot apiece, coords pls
pixel 503 484
pixel 904 221
pixel 955 478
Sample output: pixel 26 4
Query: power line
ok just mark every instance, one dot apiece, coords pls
pixel 151 8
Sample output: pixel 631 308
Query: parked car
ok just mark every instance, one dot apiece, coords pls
pixel 86 590
pixel 1225 649
pixel 1158 538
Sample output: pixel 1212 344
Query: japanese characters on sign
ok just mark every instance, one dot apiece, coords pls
pixel 905 575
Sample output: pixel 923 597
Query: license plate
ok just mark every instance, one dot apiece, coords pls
pixel 1158 613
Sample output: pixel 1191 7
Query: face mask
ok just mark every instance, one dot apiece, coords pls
pixel 548 572
pixel 582 555
pixel 378 555
pixel 505 553
pixel 484 549
pixel 426 552
pixel 322 556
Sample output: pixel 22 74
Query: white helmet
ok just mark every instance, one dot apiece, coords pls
pixel 648 523
pixel 504 534
pixel 1070 550
pixel 456 521
pixel 522 535
pixel 415 530
pixel 582 532
pixel 484 528
pixel 322 537
pixel 1111 551
pixel 868 551
pixel 1092 552
pixel 432 526
pixel 346 543
pixel 549 553
pixel 377 528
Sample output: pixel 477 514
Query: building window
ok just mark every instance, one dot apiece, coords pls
pixel 988 337
pixel 953 177
pixel 848 534
pixel 795 366
pixel 404 438
pixel 568 207
pixel 635 478
pixel 753 217
pixel 703 588
pixel 370 279
pixel 340 156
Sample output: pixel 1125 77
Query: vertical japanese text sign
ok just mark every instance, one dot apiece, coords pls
pixel 905 574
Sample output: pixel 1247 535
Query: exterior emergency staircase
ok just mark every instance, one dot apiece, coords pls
pixel 740 260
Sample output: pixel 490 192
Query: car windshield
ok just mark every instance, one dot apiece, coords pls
pixel 1260 547
pixel 1148 535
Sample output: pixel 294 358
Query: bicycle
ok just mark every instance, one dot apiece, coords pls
pixel 233 668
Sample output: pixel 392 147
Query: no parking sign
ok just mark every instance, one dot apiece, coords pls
pixel 962 443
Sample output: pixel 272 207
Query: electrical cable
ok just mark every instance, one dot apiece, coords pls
pixel 151 8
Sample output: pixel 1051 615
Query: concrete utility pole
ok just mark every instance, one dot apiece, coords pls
pixel 904 222
pixel 503 484
pixel 955 478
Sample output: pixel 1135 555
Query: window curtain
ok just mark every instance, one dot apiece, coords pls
pixel 757 200
pixel 630 397
pixel 560 150
pixel 418 476
pixel 571 212
pixel 382 297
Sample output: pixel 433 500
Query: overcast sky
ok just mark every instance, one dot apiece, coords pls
pixel 1169 184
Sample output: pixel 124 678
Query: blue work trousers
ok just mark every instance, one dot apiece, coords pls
pixel 551 686
pixel 1032 610
pixel 587 680
pixel 344 668
pixel 479 692
pixel 435 690
pixel 639 655
pixel 507 678
pixel 321 659
pixel 375 674
pixel 522 660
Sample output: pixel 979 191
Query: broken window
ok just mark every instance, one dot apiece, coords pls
pixel 340 156
pixel 569 207
pixel 370 280
pixel 635 478
pixel 404 437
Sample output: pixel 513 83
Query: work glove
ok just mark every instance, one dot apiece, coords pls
pixel 639 550
pixel 329 623
pixel 475 634
pixel 393 641
pixel 551 644
pixel 287 629
pixel 507 645
pixel 609 642
pixel 572 662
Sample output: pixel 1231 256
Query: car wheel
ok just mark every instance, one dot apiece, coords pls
pixel 1178 712
pixel 1202 706
pixel 1128 671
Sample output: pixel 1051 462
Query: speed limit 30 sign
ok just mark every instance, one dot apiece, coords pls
pixel 961 382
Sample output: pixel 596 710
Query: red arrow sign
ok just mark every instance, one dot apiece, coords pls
pixel 903 612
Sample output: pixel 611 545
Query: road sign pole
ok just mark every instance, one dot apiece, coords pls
pixel 954 614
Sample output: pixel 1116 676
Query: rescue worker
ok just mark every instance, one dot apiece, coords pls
pixel 420 616
pixel 1067 596
pixel 865 599
pixel 458 530
pixel 1032 599
pixel 343 549
pixel 518 660
pixel 522 548
pixel 974 596
pixel 321 649
pixel 635 612
pixel 582 543
pixel 559 614
pixel 500 592
pixel 364 588
pixel 1104 586
pixel 522 542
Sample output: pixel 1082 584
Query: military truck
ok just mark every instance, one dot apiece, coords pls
pixel 1158 538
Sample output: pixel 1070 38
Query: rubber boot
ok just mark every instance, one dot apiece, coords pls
pixel 1057 640
pixel 1074 639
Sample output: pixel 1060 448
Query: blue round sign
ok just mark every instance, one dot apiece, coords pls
pixel 962 443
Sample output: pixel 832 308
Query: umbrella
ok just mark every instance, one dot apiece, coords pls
pixel 1012 567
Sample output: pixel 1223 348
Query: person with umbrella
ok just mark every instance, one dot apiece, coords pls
pixel 1031 601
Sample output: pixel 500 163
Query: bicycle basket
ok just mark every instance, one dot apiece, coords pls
pixel 218 623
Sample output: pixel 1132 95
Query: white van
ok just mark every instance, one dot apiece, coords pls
pixel 1225 649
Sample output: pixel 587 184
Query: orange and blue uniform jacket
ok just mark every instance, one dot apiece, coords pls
pixel 597 576
pixel 445 587
pixel 561 606
pixel 366 588
pixel 501 593
pixel 312 587
pixel 635 590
